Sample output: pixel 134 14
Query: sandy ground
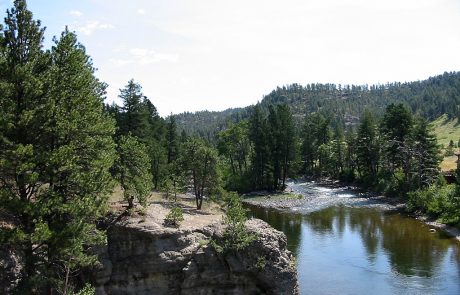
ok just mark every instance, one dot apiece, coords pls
pixel 159 207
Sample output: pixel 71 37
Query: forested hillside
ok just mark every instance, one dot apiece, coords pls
pixel 206 123
pixel 429 98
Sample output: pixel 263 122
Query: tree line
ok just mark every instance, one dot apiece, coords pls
pixel 62 152
pixel 395 154
pixel 430 99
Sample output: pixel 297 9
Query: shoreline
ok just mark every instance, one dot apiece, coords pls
pixel 286 200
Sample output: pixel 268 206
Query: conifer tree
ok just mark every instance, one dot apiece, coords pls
pixel 56 150
pixel 261 164
pixel 23 67
pixel 396 127
pixel 134 116
pixel 367 149
pixel 199 163
pixel 172 142
pixel 132 169
pixel 426 155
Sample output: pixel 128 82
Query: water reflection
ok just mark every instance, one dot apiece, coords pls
pixel 366 247
pixel 288 223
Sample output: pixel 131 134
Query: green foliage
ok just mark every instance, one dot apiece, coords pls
pixel 450 149
pixel 236 236
pixel 175 181
pixel 132 169
pixel 316 132
pixel 175 216
pixel 233 143
pixel 56 149
pixel 199 163
pixel 273 147
pixel 260 263
pixel 430 99
pixel 134 118
pixel 368 147
pixel 172 140
pixel 258 126
pixel 437 201
pixel 139 118
pixel 87 290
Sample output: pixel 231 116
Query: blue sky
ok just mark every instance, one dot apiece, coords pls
pixel 212 54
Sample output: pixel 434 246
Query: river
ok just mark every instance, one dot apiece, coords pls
pixel 347 244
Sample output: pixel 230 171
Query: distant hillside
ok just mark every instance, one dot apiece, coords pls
pixel 206 124
pixel 446 130
pixel 429 98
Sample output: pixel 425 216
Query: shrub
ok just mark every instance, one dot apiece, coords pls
pixel 174 217
pixel 87 290
pixel 260 263
pixel 236 237
pixel 437 201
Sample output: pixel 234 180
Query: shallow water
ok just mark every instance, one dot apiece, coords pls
pixel 345 244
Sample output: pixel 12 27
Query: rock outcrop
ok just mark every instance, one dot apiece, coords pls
pixel 10 269
pixel 148 258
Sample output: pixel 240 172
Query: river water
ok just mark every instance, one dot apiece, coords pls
pixel 346 244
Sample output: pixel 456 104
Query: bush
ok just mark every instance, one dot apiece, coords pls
pixel 389 184
pixel 174 217
pixel 436 201
pixel 236 237
pixel 241 184
pixel 260 263
pixel 87 290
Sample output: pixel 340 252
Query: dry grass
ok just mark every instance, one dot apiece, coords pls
pixel 160 205
pixel 447 130
pixel 449 163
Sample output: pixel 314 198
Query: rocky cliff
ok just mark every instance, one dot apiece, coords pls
pixel 149 258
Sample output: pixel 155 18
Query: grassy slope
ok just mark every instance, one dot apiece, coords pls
pixel 447 130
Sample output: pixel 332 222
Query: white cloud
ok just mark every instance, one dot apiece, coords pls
pixel 250 47
pixel 148 56
pixel 76 13
pixel 142 56
pixel 119 62
pixel 91 26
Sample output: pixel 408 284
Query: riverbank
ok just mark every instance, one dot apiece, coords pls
pixel 293 200
pixel 278 200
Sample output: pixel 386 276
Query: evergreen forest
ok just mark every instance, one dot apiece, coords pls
pixel 63 149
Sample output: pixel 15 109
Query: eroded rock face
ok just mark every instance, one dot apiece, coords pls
pixel 10 269
pixel 152 259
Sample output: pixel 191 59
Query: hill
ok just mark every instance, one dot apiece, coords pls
pixel 447 130
pixel 430 98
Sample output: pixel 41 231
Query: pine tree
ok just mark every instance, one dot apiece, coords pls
pixel 23 66
pixel 134 117
pixel 286 141
pixel 172 142
pixel 367 149
pixel 261 164
pixel 426 155
pixel 275 134
pixel 396 127
pixel 56 149
pixel 132 170
pixel 199 163
pixel 338 149
pixel 79 155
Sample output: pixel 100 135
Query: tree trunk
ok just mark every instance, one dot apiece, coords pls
pixel 130 202
pixel 199 202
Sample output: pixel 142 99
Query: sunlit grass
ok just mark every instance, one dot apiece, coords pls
pixel 446 130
